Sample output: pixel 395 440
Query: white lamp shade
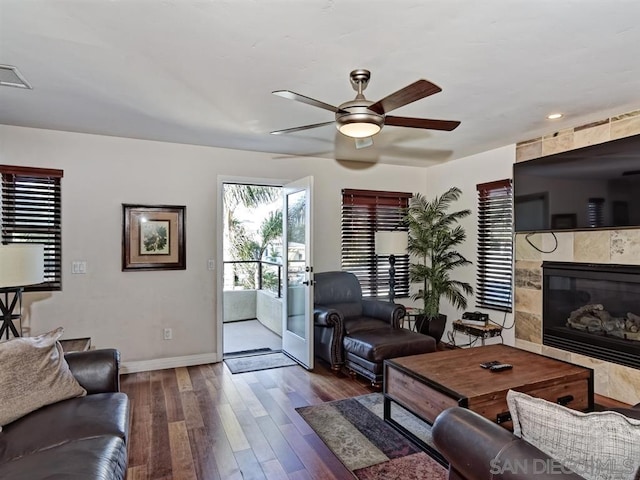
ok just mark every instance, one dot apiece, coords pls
pixel 391 243
pixel 21 265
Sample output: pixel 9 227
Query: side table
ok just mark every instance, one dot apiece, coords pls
pixel 410 317
pixel 481 332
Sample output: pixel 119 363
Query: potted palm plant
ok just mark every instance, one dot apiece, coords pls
pixel 434 234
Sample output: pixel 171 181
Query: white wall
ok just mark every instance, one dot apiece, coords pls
pixel 128 310
pixel 465 174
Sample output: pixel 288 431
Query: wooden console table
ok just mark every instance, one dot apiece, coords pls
pixel 481 332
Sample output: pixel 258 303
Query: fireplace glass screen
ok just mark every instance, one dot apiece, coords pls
pixel 593 309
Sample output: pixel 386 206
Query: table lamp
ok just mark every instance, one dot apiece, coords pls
pixel 391 243
pixel 21 264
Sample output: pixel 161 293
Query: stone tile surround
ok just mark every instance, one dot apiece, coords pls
pixel 602 246
pixel 593 133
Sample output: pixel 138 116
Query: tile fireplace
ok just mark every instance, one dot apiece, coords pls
pixel 592 309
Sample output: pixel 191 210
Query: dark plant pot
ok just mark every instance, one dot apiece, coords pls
pixel 434 327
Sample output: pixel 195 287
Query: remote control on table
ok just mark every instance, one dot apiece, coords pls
pixel 500 367
pixel 490 364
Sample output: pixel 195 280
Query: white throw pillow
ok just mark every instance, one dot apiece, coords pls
pixel 597 446
pixel 33 373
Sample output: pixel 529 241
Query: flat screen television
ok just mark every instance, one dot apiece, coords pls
pixel 587 188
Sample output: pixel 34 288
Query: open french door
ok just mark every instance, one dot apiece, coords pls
pixel 297 318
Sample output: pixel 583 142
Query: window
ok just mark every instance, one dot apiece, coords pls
pixel 30 211
pixel 363 213
pixel 495 246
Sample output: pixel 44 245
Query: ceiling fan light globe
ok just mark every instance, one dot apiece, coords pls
pixel 359 129
pixel 358 122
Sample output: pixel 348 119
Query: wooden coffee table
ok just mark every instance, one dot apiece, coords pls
pixel 427 384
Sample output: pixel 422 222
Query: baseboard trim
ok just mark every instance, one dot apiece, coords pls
pixel 171 362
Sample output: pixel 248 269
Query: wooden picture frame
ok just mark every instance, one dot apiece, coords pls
pixel 153 237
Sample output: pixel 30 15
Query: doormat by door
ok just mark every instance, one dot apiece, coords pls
pixel 258 362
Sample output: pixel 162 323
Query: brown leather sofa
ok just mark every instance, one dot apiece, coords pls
pixel 81 438
pixel 479 449
pixel 360 333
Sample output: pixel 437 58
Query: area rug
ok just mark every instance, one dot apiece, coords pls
pixel 258 362
pixel 354 430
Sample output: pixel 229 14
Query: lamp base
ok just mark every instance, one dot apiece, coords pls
pixel 392 277
pixel 7 309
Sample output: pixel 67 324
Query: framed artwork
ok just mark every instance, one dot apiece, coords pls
pixel 563 220
pixel 153 237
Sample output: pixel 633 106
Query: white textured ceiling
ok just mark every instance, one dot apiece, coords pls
pixel 201 72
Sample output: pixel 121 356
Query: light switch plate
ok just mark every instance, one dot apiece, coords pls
pixel 78 267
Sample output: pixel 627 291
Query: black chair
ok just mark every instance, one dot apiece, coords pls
pixel 360 333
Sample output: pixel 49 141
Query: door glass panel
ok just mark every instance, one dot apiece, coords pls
pixel 296 262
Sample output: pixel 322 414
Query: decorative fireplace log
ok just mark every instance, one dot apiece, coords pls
pixel 584 310
pixel 595 319
pixel 586 318
pixel 633 322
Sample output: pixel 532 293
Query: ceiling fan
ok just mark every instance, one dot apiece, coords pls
pixel 361 118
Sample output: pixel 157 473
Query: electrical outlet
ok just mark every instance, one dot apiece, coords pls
pixel 211 264
pixel 168 334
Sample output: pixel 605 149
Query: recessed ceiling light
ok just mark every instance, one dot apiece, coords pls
pixel 554 116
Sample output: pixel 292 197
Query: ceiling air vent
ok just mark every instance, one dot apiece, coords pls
pixel 11 77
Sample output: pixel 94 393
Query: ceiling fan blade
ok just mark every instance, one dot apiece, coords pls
pixel 427 123
pixel 363 142
pixel 404 96
pixel 298 129
pixel 309 101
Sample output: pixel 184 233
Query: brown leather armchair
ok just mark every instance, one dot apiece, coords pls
pixel 360 333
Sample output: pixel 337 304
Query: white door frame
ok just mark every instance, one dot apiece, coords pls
pixel 219 270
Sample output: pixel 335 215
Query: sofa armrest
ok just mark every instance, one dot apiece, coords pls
pixel 630 412
pixel 520 459
pixel 327 317
pixel 328 340
pixel 478 449
pixel 392 313
pixel 98 371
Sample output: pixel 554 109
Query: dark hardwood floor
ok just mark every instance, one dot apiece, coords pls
pixel 202 422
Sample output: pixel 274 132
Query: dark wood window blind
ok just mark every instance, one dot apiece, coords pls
pixel 363 213
pixel 495 246
pixel 31 212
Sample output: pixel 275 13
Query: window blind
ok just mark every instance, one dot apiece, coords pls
pixel 31 212
pixel 363 213
pixel 595 212
pixel 495 246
